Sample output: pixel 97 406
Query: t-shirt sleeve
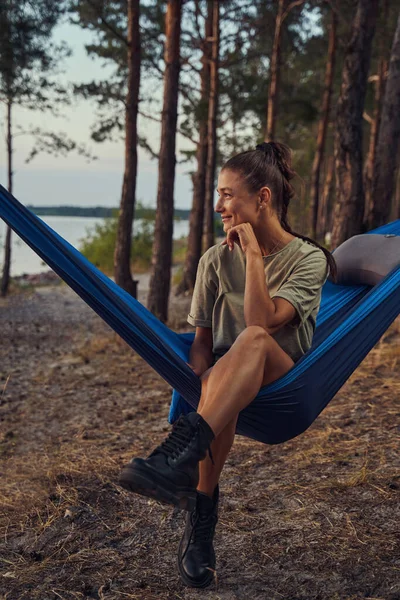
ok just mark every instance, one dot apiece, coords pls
pixel 304 285
pixel 204 294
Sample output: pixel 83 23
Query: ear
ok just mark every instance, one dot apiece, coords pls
pixel 265 197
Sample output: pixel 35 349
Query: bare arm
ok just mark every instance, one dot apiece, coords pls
pixel 259 308
pixel 201 355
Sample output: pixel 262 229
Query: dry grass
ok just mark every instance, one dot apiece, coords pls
pixel 314 518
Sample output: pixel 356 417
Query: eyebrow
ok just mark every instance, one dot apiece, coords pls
pixel 224 188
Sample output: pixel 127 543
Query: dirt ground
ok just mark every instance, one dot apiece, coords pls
pixel 316 518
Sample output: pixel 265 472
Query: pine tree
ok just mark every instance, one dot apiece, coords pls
pixel 349 208
pixel 28 59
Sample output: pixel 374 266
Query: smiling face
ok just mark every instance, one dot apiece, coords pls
pixel 236 204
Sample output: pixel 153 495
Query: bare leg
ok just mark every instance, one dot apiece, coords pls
pixel 220 447
pixel 254 360
pixel 237 377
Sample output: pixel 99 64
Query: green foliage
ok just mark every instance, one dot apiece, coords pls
pixel 28 55
pixel 218 227
pixel 107 21
pixel 99 244
pixel 29 66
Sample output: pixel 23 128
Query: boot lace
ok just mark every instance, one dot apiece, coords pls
pixel 178 439
pixel 203 528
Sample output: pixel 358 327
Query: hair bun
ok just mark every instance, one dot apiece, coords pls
pixel 280 155
pixel 264 147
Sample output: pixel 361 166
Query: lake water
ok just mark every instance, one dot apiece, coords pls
pixel 73 229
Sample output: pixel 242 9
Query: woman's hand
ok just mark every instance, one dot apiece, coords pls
pixel 243 235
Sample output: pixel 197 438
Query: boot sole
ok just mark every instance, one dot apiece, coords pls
pixel 146 482
pixel 191 582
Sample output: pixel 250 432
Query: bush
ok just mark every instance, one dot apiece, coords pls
pixel 99 244
pixel 219 228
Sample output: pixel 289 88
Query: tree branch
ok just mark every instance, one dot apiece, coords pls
pixel 291 7
pixel 367 118
pixel 180 131
pixel 107 24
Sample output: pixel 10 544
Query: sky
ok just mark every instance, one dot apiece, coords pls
pixel 50 181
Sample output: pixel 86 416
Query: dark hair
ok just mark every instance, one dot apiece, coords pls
pixel 270 164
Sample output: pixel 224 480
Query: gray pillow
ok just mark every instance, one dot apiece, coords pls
pixel 367 258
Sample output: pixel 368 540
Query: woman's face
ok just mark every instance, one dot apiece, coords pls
pixel 235 203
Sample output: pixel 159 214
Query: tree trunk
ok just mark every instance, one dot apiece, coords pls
pixel 384 182
pixel 209 237
pixel 349 208
pixel 199 178
pixel 322 129
pixel 396 204
pixel 162 248
pixel 324 213
pixel 373 141
pixel 376 120
pixel 122 253
pixel 5 280
pixel 272 105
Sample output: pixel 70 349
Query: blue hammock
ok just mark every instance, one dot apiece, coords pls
pixel 350 321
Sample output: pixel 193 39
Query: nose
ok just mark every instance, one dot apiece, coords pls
pixel 219 205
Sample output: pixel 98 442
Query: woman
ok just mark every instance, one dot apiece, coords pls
pixel 254 307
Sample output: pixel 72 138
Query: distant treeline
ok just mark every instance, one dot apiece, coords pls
pixel 99 211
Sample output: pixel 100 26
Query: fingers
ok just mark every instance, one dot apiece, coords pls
pixel 225 242
pixel 231 237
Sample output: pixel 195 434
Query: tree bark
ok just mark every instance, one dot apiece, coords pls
pixel 373 140
pixel 349 208
pixel 122 253
pixel 199 178
pixel 5 280
pixel 376 120
pixel 324 213
pixel 162 249
pixel 272 105
pixel 322 129
pixel 209 236
pixel 396 204
pixel 384 181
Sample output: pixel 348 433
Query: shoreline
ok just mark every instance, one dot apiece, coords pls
pixel 50 277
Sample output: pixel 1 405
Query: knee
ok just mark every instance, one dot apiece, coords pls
pixel 255 336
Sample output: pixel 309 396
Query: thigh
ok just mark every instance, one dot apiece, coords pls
pixel 277 362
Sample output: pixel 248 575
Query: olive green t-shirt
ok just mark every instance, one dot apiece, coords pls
pixel 297 273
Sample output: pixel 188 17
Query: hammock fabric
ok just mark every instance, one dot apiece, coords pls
pixel 350 322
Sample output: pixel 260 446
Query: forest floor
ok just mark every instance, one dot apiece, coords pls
pixel 316 518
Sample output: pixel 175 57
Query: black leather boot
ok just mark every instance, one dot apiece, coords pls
pixel 170 473
pixel 196 556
